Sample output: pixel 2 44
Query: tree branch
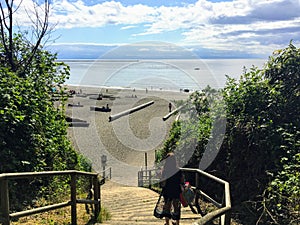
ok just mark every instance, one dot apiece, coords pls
pixel 41 27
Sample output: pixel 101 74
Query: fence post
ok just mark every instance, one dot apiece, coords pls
pixel 227 216
pixel 150 179
pixel 141 178
pixel 73 200
pixel 197 183
pixel 227 219
pixel 97 196
pixel 4 201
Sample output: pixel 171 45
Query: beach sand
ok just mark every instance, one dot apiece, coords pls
pixel 126 141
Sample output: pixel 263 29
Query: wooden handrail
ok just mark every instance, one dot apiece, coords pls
pixel 39 210
pixel 43 174
pixel 5 216
pixel 224 209
pixel 109 169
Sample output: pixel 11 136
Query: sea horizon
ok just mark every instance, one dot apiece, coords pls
pixel 158 74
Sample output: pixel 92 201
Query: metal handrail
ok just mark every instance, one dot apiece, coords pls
pixel 6 216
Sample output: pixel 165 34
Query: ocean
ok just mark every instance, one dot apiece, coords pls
pixel 158 74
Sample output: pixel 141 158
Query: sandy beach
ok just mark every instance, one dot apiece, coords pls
pixel 127 140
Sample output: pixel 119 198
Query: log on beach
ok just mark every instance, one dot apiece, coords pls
pixel 71 119
pixel 101 96
pixel 81 95
pixel 100 109
pixel 74 105
pixel 74 122
pixel 173 112
pixel 78 124
pixel 129 111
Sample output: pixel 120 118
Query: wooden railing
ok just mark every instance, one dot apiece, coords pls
pixel 106 173
pixel 147 178
pixel 6 216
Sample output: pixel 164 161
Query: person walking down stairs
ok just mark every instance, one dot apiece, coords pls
pixel 172 179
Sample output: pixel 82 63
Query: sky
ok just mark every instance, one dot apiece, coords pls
pixel 209 28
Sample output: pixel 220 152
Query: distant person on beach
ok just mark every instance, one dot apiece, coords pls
pixel 172 179
pixel 170 107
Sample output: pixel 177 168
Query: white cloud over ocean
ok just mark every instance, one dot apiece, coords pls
pixel 253 26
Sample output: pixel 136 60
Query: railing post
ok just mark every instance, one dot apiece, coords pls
pixel 197 182
pixel 227 216
pixel 97 196
pixel 150 179
pixel 4 201
pixel 73 200
pixel 139 178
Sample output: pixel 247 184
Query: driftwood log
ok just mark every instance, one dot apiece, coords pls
pixel 129 111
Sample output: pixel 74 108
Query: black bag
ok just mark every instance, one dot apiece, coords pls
pixel 158 210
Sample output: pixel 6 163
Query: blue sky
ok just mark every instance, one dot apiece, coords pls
pixel 212 28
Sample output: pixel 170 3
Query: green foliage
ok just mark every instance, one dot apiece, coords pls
pixel 262 140
pixel 104 215
pixel 259 155
pixel 171 143
pixel 188 137
pixel 282 196
pixel 281 203
pixel 33 129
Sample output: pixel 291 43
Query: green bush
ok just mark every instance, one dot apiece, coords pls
pixel 33 129
pixel 259 155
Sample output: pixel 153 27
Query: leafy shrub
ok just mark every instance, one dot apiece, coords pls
pixel 259 155
pixel 33 129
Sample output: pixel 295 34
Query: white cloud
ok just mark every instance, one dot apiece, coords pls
pixel 77 14
pixel 128 27
pixel 236 24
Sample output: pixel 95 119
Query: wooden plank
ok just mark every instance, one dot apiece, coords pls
pixel 11 176
pixel 212 215
pixel 210 199
pixel 205 174
pixel 97 197
pixel 73 200
pixel 4 201
pixel 39 210
pixel 4 195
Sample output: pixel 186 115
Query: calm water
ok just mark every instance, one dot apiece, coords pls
pixel 158 74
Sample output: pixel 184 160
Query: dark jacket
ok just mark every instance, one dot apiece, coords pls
pixel 172 187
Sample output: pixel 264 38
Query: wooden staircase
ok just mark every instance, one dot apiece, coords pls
pixel 134 205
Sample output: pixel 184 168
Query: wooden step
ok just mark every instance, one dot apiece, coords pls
pixel 135 205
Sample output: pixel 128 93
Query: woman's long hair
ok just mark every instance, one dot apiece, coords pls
pixel 170 167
